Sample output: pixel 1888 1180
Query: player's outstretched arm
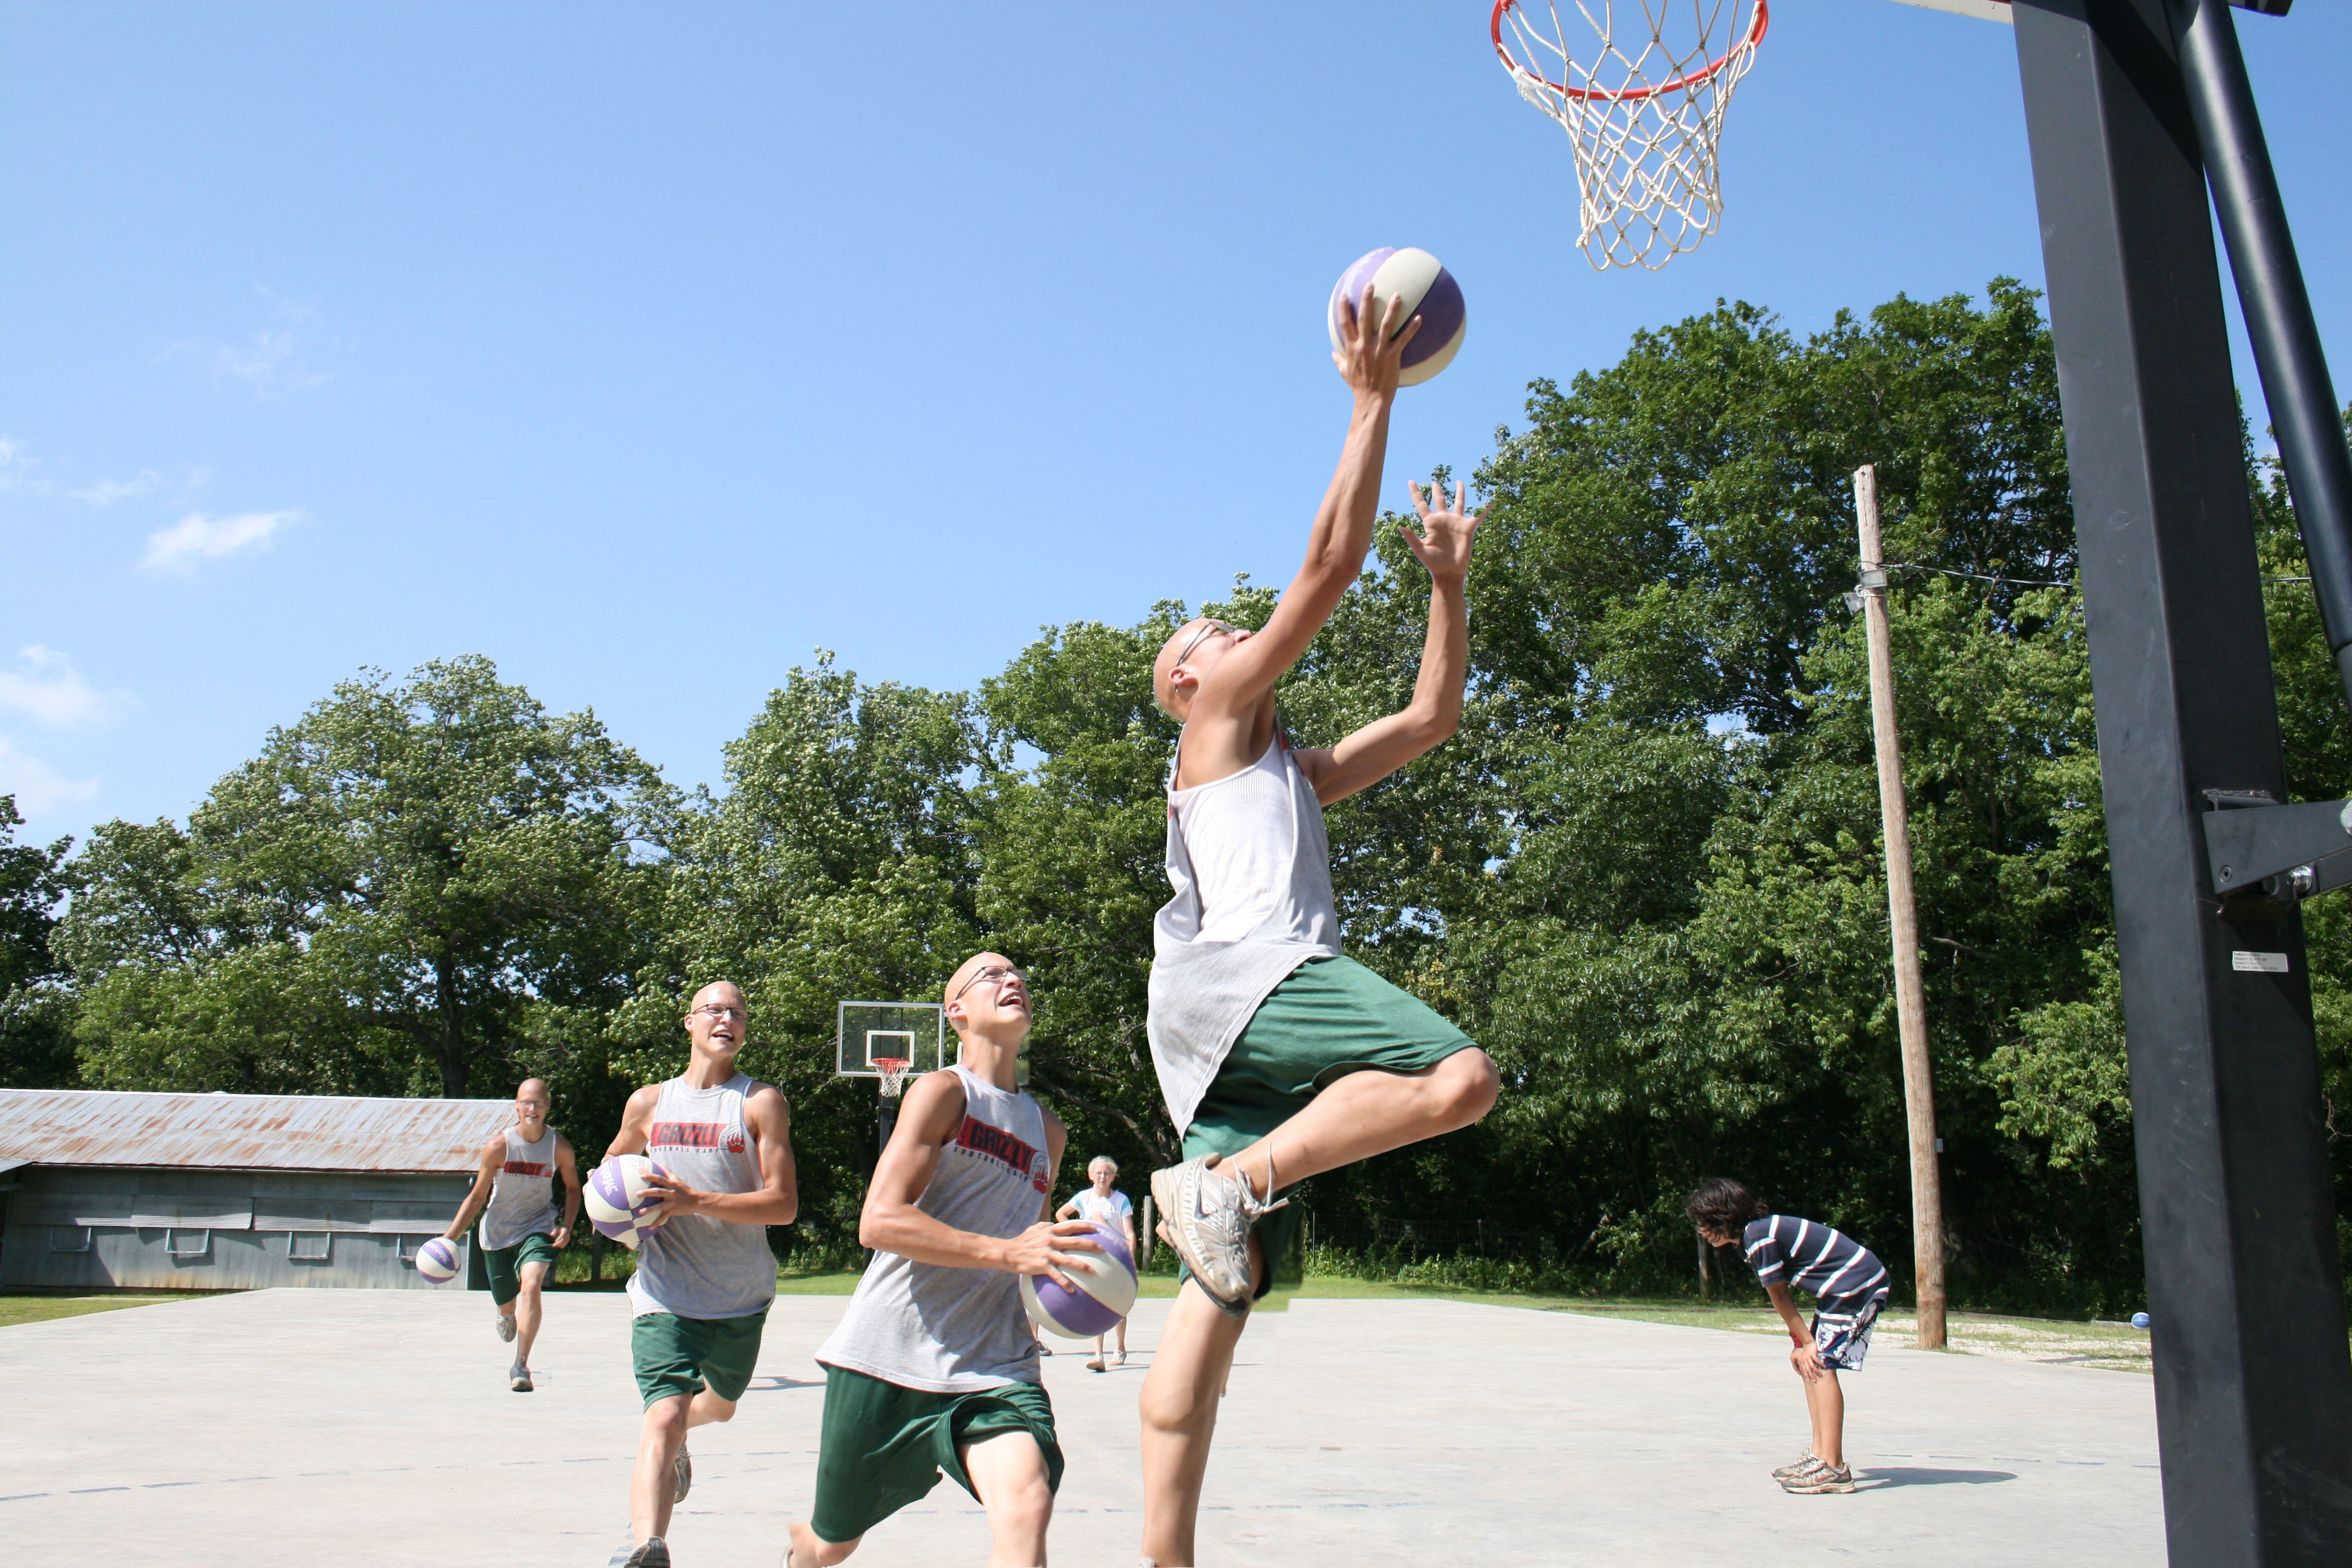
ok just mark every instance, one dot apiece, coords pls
pixel 1384 745
pixel 494 1155
pixel 928 1119
pixel 637 1123
pixel 1368 357
pixel 777 1201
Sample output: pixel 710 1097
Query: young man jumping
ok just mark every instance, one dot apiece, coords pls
pixel 705 1278
pixel 514 1194
pixel 1278 1058
pixel 933 1368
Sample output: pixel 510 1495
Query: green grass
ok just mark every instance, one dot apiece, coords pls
pixel 16 1309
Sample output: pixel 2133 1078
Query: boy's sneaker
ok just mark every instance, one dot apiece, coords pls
pixel 519 1378
pixel 681 1478
pixel 1824 1479
pixel 1810 1462
pixel 1209 1216
pixel 653 1552
pixel 506 1328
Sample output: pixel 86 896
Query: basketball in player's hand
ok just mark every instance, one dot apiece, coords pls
pixel 618 1196
pixel 1105 1292
pixel 1428 291
pixel 437 1260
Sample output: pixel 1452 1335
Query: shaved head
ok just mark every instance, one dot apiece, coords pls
pixel 1162 692
pixel 721 991
pixel 970 967
pixel 532 1088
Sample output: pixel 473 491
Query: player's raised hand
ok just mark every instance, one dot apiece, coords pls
pixel 1371 353
pixel 1447 529
pixel 1048 1248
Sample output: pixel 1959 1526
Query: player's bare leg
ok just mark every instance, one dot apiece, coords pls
pixel 525 1309
pixel 1368 1113
pixel 653 1484
pixel 807 1551
pixel 1008 1471
pixel 1179 1406
pixel 1825 1401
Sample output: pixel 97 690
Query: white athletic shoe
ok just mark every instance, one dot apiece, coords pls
pixel 506 1328
pixel 681 1476
pixel 519 1378
pixel 1209 1216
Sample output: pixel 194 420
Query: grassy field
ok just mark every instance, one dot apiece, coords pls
pixel 16 1309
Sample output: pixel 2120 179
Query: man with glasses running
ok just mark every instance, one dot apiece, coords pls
pixel 705 1278
pixel 1279 1057
pixel 932 1368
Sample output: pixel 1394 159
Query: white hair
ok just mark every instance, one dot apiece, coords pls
pixel 1102 1160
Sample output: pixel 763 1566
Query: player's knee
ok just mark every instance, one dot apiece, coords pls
pixel 666 1415
pixel 1469 1082
pixel 1028 1504
pixel 1167 1409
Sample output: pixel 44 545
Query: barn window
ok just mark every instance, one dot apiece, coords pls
pixel 307 1246
pixel 69 1239
pixel 188 1243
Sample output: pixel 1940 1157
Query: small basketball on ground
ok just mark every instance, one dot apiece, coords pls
pixel 618 1198
pixel 437 1260
pixel 1105 1292
pixel 1428 290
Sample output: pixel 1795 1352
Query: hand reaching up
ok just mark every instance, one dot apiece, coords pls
pixel 1446 529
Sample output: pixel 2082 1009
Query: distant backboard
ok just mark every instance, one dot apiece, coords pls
pixel 915 1031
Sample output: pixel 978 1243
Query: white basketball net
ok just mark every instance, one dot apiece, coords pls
pixel 1643 104
pixel 893 1070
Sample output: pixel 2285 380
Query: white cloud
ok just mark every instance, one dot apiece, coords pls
pixel 106 492
pixel 197 537
pixel 38 788
pixel 46 689
pixel 14 463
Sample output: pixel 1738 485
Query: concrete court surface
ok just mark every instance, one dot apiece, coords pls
pixel 358 1428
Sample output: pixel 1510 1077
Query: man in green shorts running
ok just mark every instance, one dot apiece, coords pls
pixel 514 1192
pixel 933 1368
pixel 705 1278
pixel 1279 1057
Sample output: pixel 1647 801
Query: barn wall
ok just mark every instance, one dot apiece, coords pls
pixel 154 1229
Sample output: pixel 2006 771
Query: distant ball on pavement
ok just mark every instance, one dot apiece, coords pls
pixel 1105 1292
pixel 2139 1319
pixel 437 1260
pixel 618 1198
pixel 1428 290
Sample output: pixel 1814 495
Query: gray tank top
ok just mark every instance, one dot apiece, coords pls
pixel 957 1331
pixel 694 1265
pixel 1262 849
pixel 522 1200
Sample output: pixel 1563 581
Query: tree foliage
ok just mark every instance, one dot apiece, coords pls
pixel 1647 874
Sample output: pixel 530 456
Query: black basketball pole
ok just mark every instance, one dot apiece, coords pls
pixel 2294 367
pixel 2253 1380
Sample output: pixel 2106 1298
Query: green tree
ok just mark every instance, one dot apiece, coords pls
pixel 36 1009
pixel 427 886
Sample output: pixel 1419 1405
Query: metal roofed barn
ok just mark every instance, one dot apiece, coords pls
pixel 225 1192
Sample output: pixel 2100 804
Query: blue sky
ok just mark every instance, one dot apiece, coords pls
pixel 647 350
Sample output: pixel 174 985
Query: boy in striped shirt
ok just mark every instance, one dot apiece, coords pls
pixel 1848 1286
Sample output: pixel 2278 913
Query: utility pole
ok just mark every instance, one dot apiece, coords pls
pixel 1903 918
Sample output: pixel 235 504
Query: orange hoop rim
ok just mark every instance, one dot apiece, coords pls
pixel 1708 72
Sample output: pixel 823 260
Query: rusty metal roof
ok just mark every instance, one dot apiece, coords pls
pixel 246 1132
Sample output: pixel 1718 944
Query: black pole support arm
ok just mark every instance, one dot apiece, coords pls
pixel 2290 852
pixel 2304 411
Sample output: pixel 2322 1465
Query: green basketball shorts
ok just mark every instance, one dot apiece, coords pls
pixel 679 1357
pixel 1332 1017
pixel 504 1264
pixel 883 1447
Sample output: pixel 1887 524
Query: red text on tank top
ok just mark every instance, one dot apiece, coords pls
pixel 695 1135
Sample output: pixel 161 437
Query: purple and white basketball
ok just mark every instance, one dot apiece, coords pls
pixel 618 1198
pixel 437 1260
pixel 1105 1292
pixel 1428 290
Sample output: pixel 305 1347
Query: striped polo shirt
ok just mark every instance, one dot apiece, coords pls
pixel 1809 1255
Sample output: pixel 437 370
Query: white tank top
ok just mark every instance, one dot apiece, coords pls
pixel 696 1265
pixel 522 1198
pixel 957 1331
pixel 1251 870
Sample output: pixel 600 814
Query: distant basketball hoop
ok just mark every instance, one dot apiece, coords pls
pixel 1642 105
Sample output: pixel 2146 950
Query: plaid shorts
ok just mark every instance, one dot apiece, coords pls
pixel 1842 1331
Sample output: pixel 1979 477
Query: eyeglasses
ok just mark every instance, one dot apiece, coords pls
pixel 717 1014
pixel 997 974
pixel 1199 636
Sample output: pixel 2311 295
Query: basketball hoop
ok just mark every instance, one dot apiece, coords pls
pixel 894 1074
pixel 1645 115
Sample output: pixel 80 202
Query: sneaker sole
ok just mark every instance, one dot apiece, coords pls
pixel 1800 1487
pixel 1167 1197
